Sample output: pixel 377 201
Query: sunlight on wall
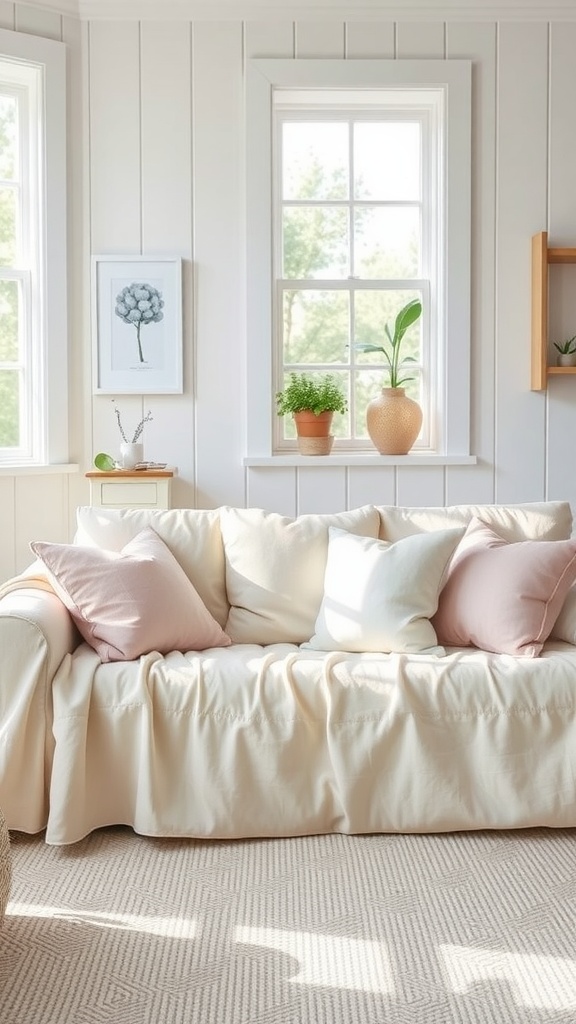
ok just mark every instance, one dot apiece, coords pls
pixel 328 960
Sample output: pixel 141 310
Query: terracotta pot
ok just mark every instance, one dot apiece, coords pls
pixel 393 421
pixel 311 424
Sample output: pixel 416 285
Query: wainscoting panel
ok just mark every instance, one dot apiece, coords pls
pixel 219 249
pixel 521 121
pixel 477 42
pixel 561 397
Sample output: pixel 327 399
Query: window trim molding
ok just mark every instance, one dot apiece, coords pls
pixel 50 56
pixel 262 77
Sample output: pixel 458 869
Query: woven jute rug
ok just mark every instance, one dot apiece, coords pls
pixel 475 927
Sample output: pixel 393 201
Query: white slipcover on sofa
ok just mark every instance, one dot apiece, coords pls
pixel 268 735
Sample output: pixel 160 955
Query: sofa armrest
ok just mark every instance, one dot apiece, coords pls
pixel 36 633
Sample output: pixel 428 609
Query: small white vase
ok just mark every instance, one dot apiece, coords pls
pixel 131 454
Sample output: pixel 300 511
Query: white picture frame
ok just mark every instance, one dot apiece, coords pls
pixel 137 325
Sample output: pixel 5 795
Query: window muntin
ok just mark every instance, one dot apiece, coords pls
pixel 355 226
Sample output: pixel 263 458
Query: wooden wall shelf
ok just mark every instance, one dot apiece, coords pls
pixel 542 257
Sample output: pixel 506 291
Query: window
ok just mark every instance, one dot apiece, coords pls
pixel 33 343
pixel 358 201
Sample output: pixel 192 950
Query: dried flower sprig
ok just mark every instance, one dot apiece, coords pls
pixel 139 428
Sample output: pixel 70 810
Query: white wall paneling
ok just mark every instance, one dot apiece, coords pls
pixel 420 39
pixel 319 39
pixel 7 524
pixel 371 486
pixel 322 492
pixel 41 504
pixel 156 165
pixel 274 489
pixel 423 487
pixel 370 39
pixel 219 253
pixel 167 226
pixel 7 15
pixel 522 117
pixel 477 42
pixel 561 226
pixel 38 22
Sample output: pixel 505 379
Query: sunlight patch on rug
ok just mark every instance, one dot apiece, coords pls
pixel 544 982
pixel 168 927
pixel 328 960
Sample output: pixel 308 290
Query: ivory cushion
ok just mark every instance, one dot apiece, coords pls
pixel 275 570
pixel 380 596
pixel 538 520
pixel 193 536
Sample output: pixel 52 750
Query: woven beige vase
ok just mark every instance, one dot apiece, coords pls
pixel 393 421
pixel 5 866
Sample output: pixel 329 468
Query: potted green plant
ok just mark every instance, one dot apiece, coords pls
pixel 393 419
pixel 312 400
pixel 566 352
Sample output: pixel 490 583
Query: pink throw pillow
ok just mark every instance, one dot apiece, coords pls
pixel 503 597
pixel 130 602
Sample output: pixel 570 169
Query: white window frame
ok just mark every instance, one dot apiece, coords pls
pixel 45 414
pixel 453 78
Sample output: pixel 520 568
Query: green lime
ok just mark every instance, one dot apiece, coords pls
pixel 104 462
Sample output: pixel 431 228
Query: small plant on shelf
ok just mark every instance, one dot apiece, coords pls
pixel 566 348
pixel 312 399
pixel 317 394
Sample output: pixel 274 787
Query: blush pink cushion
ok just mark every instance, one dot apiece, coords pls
pixel 130 602
pixel 503 597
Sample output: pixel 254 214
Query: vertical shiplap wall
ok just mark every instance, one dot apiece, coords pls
pixel 156 115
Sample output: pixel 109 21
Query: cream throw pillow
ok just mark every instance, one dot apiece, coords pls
pixel 380 596
pixel 275 570
pixel 130 602
pixel 532 520
pixel 193 536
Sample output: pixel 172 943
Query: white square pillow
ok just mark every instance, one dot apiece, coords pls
pixel 275 570
pixel 380 596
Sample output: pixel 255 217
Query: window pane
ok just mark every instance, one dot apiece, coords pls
pixel 387 242
pixel 316 327
pixel 9 409
pixel 315 160
pixel 387 160
pixel 8 141
pixel 315 242
pixel 7 227
pixel 8 321
pixel 372 311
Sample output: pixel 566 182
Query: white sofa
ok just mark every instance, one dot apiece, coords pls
pixel 269 736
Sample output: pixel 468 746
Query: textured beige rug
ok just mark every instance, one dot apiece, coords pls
pixel 474 928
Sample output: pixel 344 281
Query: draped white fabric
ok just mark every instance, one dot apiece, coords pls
pixel 276 741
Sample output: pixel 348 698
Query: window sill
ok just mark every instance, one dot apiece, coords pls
pixel 351 459
pixel 65 467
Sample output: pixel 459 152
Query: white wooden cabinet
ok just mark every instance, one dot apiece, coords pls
pixel 131 488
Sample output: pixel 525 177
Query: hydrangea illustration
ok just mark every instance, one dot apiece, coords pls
pixel 138 305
